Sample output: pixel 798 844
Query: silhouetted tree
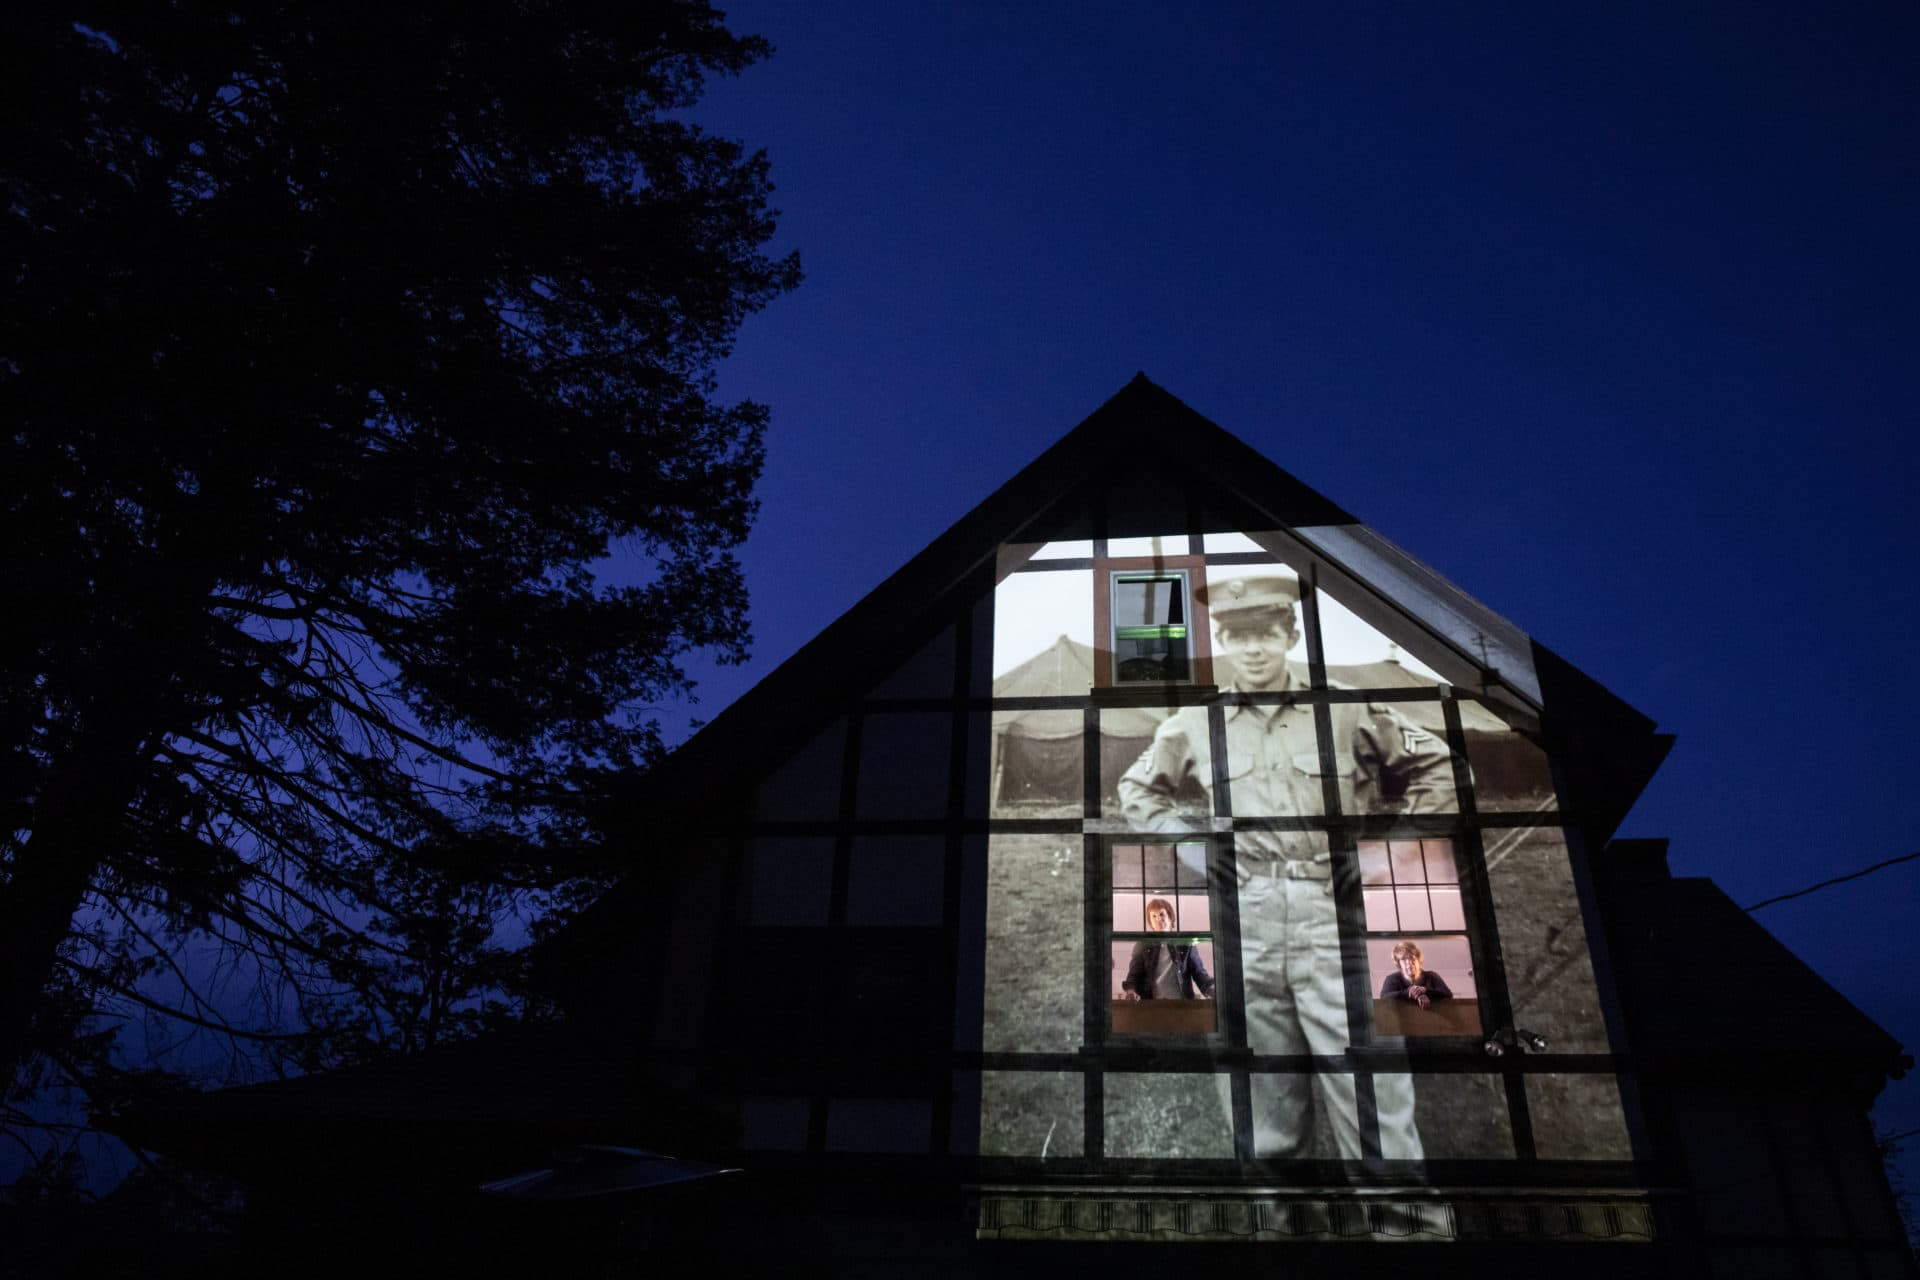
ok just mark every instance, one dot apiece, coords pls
pixel 342 342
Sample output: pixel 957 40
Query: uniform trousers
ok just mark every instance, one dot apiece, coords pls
pixel 1296 1004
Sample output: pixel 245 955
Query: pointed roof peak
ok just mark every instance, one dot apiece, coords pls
pixel 1139 405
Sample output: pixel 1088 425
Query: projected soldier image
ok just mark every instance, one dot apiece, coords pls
pixel 1290 938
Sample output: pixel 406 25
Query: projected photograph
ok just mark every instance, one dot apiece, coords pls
pixel 1035 958
pixel 1259 645
pixel 1042 648
pixel 1361 657
pixel 1078 649
pixel 1154 767
pixel 1511 770
pixel 1273 764
pixel 1543 938
pixel 1168 1115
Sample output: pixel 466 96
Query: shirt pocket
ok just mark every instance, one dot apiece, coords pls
pixel 1305 780
pixel 1242 763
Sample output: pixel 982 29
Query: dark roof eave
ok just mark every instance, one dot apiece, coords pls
pixel 1668 935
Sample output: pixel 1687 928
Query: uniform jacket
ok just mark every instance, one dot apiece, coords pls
pixel 1383 763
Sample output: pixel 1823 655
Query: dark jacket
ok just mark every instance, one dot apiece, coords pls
pixel 1396 986
pixel 1187 964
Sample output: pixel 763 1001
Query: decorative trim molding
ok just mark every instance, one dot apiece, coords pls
pixel 1211 1216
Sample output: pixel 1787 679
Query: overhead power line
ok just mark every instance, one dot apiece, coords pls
pixel 1890 1139
pixel 1827 884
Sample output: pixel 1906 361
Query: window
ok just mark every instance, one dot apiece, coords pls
pixel 1162 940
pixel 1418 958
pixel 1151 636
pixel 1149 625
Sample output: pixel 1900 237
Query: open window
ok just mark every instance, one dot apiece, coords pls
pixel 1419 959
pixel 1162 940
pixel 1150 624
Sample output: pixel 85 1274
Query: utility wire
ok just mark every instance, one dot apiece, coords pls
pixel 1826 884
pixel 1890 1139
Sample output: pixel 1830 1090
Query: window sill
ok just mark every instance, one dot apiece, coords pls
pixel 1153 695
pixel 1188 1018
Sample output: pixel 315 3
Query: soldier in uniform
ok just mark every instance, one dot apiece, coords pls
pixel 1289 933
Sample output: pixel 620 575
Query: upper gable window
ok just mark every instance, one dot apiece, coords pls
pixel 1152 636
pixel 1150 622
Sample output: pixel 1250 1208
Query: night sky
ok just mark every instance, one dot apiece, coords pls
pixel 1609 316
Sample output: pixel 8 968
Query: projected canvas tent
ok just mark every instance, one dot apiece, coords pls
pixel 1038 756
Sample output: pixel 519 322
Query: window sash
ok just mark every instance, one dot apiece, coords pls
pixel 1170 625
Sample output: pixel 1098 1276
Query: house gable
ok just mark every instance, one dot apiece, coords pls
pixel 929 785
pixel 1115 476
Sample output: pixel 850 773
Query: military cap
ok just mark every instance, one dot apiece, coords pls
pixel 1246 595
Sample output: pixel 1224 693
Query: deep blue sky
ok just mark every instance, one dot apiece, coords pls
pixel 1609 316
